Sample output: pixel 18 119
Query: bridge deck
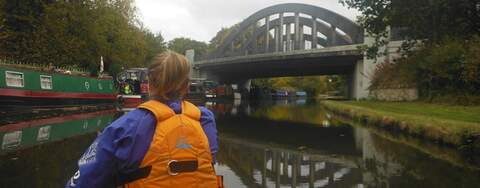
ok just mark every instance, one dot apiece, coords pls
pixel 346 50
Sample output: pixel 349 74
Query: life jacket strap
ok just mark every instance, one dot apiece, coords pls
pixel 135 175
pixel 175 167
pixel 220 181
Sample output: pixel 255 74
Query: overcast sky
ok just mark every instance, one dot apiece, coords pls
pixel 202 19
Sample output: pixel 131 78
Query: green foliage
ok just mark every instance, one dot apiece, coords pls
pixel 447 71
pixel 427 20
pixel 313 85
pixel 439 123
pixel 388 75
pixel 76 33
pixel 451 67
pixel 447 61
pixel 219 38
pixel 237 45
pixel 155 44
pixel 181 45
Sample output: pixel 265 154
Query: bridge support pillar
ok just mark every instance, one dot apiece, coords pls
pixel 280 32
pixel 297 31
pixel 289 40
pixel 255 41
pixel 267 34
pixel 364 70
pixel 301 41
pixel 332 39
pixel 314 33
pixel 277 39
pixel 361 79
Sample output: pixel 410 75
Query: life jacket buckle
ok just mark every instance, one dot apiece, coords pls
pixel 169 169
pixel 183 166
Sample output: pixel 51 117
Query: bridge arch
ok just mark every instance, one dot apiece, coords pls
pixel 335 29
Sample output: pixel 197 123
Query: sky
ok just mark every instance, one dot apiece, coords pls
pixel 202 19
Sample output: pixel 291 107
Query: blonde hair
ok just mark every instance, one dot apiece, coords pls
pixel 168 76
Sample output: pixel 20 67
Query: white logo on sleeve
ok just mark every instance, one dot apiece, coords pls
pixel 74 178
pixel 89 155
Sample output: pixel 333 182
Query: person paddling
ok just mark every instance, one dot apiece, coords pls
pixel 165 142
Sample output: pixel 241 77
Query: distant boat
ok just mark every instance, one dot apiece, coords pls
pixel 28 85
pixel 301 94
pixel 133 86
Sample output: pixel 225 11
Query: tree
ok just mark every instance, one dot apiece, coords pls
pixel 443 65
pixel 219 38
pixel 239 42
pixel 3 19
pixel 181 45
pixel 427 20
pixel 76 33
pixel 155 45
pixel 313 85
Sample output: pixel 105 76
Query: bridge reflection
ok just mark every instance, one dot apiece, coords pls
pixel 264 144
pixel 278 145
pixel 261 165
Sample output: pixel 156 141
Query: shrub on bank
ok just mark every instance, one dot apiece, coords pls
pixel 462 135
pixel 448 71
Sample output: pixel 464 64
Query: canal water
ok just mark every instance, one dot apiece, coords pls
pixel 262 144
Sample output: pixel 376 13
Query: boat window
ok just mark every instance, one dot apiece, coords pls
pixel 14 79
pixel 133 76
pixel 45 82
pixel 122 77
pixel 143 76
pixel 12 139
pixel 43 133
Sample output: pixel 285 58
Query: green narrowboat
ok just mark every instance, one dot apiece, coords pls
pixel 29 86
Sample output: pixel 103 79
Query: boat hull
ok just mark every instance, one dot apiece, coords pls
pixel 130 99
pixel 29 98
pixel 34 87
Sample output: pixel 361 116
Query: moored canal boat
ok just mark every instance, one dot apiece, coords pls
pixel 133 86
pixel 23 85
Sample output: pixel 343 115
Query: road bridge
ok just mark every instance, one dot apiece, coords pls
pixel 292 40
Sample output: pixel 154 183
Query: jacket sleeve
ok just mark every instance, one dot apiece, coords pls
pixel 207 120
pixel 121 147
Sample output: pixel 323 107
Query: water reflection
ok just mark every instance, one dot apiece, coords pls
pixel 261 165
pixel 43 152
pixel 291 145
pixel 29 133
pixel 262 144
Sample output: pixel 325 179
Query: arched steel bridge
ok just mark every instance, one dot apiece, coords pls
pixel 287 27
pixel 291 40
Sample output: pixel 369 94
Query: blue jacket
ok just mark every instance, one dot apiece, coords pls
pixel 123 144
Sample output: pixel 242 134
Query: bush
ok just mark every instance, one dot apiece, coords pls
pixel 393 75
pixel 449 68
pixel 445 71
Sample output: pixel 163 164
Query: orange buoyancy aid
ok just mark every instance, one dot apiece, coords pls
pixel 179 155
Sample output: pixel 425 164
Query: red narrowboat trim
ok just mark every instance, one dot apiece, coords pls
pixel 53 94
pixel 132 100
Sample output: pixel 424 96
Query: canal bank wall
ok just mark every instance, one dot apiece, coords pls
pixel 463 136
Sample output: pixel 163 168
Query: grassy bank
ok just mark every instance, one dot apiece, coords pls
pixel 457 126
